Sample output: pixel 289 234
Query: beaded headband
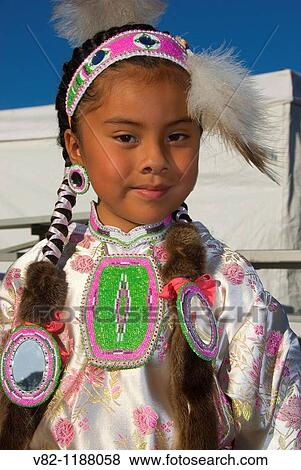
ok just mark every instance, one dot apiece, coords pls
pixel 124 45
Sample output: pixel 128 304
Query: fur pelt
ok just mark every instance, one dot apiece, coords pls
pixel 45 291
pixel 78 20
pixel 191 378
pixel 224 100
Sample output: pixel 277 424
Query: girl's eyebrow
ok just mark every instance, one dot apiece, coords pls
pixel 122 120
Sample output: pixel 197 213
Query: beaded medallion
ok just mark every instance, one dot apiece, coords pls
pixel 186 293
pixel 30 366
pixel 121 312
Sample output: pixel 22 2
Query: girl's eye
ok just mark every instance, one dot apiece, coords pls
pixel 125 138
pixel 126 141
pixel 175 135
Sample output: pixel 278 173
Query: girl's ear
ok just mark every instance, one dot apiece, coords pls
pixel 72 147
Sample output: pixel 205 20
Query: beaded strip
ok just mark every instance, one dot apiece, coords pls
pixel 122 46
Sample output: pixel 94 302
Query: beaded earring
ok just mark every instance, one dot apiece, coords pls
pixel 78 179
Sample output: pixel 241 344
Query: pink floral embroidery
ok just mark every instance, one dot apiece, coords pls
pixel 84 424
pixel 291 412
pixel 19 293
pixel 160 253
pixel 95 375
pixel 71 385
pixel 10 277
pixel 87 240
pixel 116 390
pixel 273 342
pixel 167 427
pixel 255 371
pixel 234 273
pixel 83 264
pixel 258 329
pixel 145 418
pixel 63 432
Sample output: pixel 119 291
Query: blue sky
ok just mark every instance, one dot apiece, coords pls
pixel 265 34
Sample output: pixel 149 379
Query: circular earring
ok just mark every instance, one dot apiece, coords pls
pixel 78 179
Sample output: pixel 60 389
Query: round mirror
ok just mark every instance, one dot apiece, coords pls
pixel 200 318
pixel 28 365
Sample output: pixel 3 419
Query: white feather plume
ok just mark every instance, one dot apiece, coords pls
pixel 223 98
pixel 78 20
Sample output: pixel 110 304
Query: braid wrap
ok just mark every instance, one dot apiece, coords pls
pixel 61 217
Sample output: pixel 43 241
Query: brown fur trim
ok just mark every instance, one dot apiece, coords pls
pixel 19 424
pixel 191 378
pixel 45 292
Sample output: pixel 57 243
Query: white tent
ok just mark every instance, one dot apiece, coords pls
pixel 238 204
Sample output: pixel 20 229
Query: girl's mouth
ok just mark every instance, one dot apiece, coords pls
pixel 151 193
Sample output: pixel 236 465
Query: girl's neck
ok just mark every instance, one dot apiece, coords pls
pixel 108 218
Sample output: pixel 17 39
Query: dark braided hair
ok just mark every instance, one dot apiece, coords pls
pixel 191 378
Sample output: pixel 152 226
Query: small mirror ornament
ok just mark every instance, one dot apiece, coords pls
pixel 30 366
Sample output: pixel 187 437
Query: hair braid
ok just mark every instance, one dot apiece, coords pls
pixel 191 378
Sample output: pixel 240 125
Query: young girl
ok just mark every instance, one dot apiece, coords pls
pixel 140 330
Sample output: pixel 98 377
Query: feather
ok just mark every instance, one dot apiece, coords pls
pixel 225 101
pixel 79 20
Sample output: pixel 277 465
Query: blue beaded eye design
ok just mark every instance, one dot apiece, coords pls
pixel 99 57
pixel 147 41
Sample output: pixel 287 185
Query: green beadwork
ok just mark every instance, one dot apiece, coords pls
pixel 71 95
pixel 88 68
pixel 79 80
pixel 105 324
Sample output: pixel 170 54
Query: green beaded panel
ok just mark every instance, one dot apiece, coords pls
pixel 130 284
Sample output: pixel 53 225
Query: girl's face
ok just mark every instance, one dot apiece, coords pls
pixel 140 135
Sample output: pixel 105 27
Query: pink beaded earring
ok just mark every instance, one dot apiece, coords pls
pixel 78 179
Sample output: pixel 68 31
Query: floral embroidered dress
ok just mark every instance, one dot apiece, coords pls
pixel 257 371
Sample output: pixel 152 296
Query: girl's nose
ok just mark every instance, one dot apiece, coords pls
pixel 155 159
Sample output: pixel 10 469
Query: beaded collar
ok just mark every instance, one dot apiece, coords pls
pixel 136 236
